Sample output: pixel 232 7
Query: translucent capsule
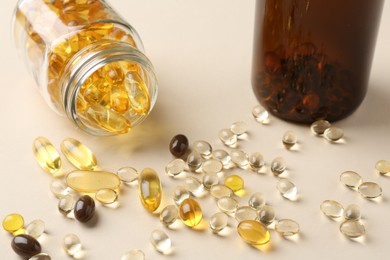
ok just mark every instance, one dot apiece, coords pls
pixel 193 185
pixel 332 208
pixel 218 222
pixel 78 154
pixel 59 188
pixel 234 182
pixel 227 205
pixel 260 114
pixel 256 201
pixel 127 174
pixel 194 161
pixel 239 128
pixel 212 166
pixel 66 204
pixel 203 148
pixel 352 212
pixel 256 161
pixel 35 228
pixel 134 255
pixel 13 222
pixel 168 215
pixel 180 194
pixel 40 256
pixel 220 190
pixel 351 179
pixel 161 241
pixel 175 167
pixel 92 181
pixel 383 167
pixel 137 92
pixel 370 190
pixel 149 189
pixel 71 244
pixel 333 134
pixel 46 155
pixel 221 155
pixel 352 228
pixel 266 215
pixel 286 188
pixel 318 127
pixel 209 179
pixel 253 232
pixel 106 196
pixel 178 145
pixel 239 158
pixel 289 139
pixel 190 212
pixel 278 166
pixel 227 137
pixel 245 213
pixel 287 227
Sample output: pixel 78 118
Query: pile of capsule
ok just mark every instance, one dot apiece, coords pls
pixel 354 181
pixel 325 129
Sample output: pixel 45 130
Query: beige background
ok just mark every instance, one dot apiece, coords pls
pixel 202 54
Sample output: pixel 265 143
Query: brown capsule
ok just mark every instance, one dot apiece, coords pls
pixel 178 145
pixel 84 208
pixel 26 246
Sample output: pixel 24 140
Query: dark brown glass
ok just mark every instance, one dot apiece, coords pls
pixel 312 58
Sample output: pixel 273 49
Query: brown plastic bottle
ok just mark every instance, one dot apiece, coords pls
pixel 312 58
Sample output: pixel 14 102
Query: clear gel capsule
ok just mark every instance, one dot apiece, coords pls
pixel 221 155
pixel 180 194
pixel 260 114
pixel 227 205
pixel 209 179
pixel 227 137
pixel 245 213
pixel 218 222
pixel 256 201
pixel 287 227
pixel 212 166
pixel 239 128
pixel 127 174
pixel 168 215
pixel 161 241
pixel 332 208
pixel 370 190
pixel 71 244
pixel 239 158
pixel 175 167
pixel 351 179
pixel 203 148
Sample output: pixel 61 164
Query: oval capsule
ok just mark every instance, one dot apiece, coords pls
pixel 92 181
pixel 253 232
pixel 46 155
pixel 78 154
pixel 149 189
pixel 84 208
pixel 26 246
pixel 190 212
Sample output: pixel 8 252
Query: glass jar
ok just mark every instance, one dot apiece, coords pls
pixel 312 59
pixel 88 63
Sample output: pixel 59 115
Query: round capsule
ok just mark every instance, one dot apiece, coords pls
pixel 352 228
pixel 46 155
pixel 256 201
pixel 13 222
pixel 287 227
pixel 193 185
pixel 383 167
pixel 221 155
pixel 220 190
pixel 168 215
pixel 180 194
pixel 245 213
pixel 289 139
pixel 134 255
pixel 78 154
pixel 227 137
pixel 35 228
pixel 266 215
pixel 370 190
pixel 175 167
pixel 239 158
pixel 194 161
pixel 160 241
pixel 209 179
pixel 212 166
pixel 71 244
pixel 84 209
pixel 149 189
pixel 203 148
pixel 190 212
pixel 218 222
pixel 286 188
pixel 59 188
pixel 253 232
pixel 106 196
pixel 239 128
pixel 234 182
pixel 227 205
pixel 256 161
pixel 40 256
pixel 26 246
pixel 332 208
pixel 351 179
pixel 318 127
pixel 66 204
pixel 127 175
pixel 178 145
pixel 260 114
pixel 333 134
pixel 352 212
pixel 278 166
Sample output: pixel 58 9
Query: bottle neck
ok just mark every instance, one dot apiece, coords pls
pixel 90 59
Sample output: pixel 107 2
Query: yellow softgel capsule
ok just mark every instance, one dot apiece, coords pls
pixel 190 212
pixel 78 154
pixel 149 189
pixel 92 181
pixel 253 232
pixel 13 222
pixel 138 93
pixel 234 182
pixel 46 155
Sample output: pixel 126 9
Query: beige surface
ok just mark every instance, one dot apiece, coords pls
pixel 202 54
